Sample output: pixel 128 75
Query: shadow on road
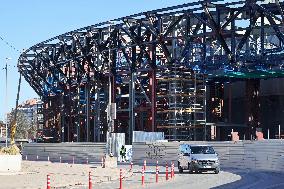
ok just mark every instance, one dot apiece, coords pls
pixel 255 179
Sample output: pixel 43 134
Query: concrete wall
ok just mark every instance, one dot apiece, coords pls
pixel 268 87
pixel 10 163
pixel 80 151
pixel 271 99
pixel 272 86
pixel 264 155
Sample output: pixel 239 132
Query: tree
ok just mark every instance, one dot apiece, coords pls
pixel 25 128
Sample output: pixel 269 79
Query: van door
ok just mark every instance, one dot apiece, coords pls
pixel 185 156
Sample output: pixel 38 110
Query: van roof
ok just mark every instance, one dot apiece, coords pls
pixel 197 144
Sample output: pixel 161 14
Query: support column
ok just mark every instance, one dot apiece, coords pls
pixel 132 97
pixel 194 114
pixel 205 108
pixel 131 106
pixel 113 88
pixel 61 119
pixel 252 106
pixel 97 115
pixel 153 82
pixel 77 117
pixel 70 114
pixel 77 123
pixel 233 38
pixel 215 106
pixel 230 103
pixel 153 100
pixel 87 109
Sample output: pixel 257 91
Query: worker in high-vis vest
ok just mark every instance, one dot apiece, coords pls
pixel 123 153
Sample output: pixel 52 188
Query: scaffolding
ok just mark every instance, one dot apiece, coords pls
pixel 181 104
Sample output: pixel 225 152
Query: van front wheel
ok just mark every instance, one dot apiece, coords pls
pixel 180 170
pixel 217 170
pixel 190 169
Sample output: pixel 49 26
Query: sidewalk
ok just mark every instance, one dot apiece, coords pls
pixel 63 175
pixel 75 176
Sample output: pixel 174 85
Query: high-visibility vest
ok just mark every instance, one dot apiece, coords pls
pixel 123 151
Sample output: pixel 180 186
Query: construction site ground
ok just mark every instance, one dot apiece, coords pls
pixel 75 176
pixel 62 175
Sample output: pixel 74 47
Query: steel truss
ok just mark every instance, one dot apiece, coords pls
pixel 157 62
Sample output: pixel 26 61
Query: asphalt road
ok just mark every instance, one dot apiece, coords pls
pixel 226 179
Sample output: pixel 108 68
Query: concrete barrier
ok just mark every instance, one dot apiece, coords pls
pixel 260 155
pixel 10 163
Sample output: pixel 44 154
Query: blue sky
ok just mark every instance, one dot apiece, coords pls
pixel 25 23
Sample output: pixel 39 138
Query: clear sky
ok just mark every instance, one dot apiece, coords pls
pixel 25 23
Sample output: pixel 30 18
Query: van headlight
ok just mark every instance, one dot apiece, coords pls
pixel 194 161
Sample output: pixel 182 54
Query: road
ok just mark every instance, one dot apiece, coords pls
pixel 226 179
pixel 68 174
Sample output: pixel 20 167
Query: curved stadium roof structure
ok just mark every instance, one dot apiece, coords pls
pixel 151 65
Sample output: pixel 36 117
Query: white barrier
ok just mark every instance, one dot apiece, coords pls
pixel 10 163
pixel 262 155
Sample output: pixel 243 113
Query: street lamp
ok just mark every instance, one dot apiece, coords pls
pixel 6 100
pixel 110 121
pixel 111 115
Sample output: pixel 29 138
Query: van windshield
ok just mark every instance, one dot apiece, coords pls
pixel 202 150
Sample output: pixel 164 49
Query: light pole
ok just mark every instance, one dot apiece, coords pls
pixel 110 121
pixel 279 131
pixel 6 100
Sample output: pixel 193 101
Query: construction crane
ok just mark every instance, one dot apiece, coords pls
pixel 14 118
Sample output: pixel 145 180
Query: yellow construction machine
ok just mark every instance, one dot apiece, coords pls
pixel 13 131
pixel 14 118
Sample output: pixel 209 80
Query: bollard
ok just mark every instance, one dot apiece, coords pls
pixel 167 174
pixel 120 179
pixel 90 180
pixel 36 157
pixel 73 161
pixel 26 158
pixel 60 159
pixel 103 162
pixel 131 166
pixel 157 173
pixel 171 170
pixel 143 177
pixel 144 165
pixel 48 182
pixel 47 158
pixel 87 162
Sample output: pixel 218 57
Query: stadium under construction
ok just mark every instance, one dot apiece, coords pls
pixel 194 71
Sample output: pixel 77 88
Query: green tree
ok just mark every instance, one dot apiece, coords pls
pixel 25 128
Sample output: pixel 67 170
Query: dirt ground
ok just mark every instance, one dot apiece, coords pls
pixel 34 175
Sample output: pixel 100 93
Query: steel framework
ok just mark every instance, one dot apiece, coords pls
pixel 152 67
